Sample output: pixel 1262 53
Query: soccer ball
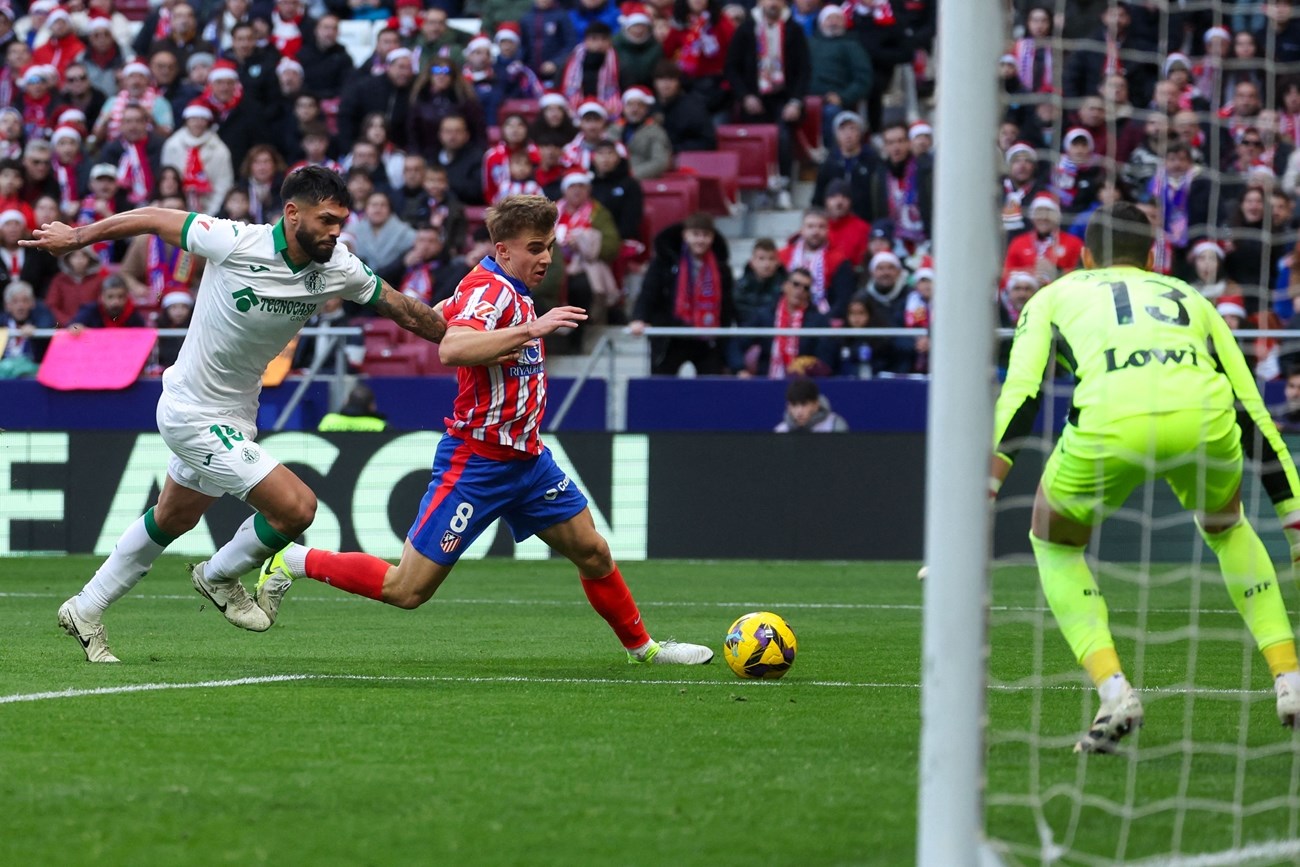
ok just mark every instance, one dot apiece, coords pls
pixel 760 644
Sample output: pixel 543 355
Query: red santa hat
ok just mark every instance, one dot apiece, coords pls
pixel 135 67
pixel 593 107
pixel 1076 133
pixel 99 23
pixel 632 14
pixel 828 11
pixel 478 42
pixel 397 54
pixel 62 132
pixel 508 30
pixel 882 257
pixel 1018 277
pixel 552 97
pixel 12 214
pixel 1045 200
pixel 223 70
pixel 409 4
pixel 177 296
pixel 1217 33
pixel 1177 58
pixel 72 116
pixel 286 64
pixel 1007 58
pixel 919 128
pixel 1205 247
pixel 639 93
pixel 575 176
pixel 58 14
pixel 1019 149
pixel 197 108
pixel 1228 305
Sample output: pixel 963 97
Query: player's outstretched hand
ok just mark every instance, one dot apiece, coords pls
pixel 555 319
pixel 54 238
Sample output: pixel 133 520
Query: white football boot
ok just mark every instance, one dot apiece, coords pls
pixel 90 634
pixel 1114 720
pixel 231 599
pixel 1287 687
pixel 672 653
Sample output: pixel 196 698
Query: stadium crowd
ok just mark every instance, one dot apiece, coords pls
pixel 1193 115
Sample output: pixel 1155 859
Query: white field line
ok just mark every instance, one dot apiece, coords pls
pixel 769 605
pixel 1255 853
pixel 508 679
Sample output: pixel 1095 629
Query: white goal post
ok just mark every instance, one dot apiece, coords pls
pixel 957 529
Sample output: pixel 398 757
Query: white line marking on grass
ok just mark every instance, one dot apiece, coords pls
pixel 754 606
pixel 1254 853
pixel 524 679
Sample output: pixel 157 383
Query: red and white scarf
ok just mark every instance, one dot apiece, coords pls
pixel 418 283
pixel 286 34
pixel 164 27
pixel 699 294
pixel 607 91
pixel 1014 205
pixel 195 181
pixel 36 116
pixel 134 174
pixel 67 178
pixel 1026 49
pixel 771 64
pixel 785 349
pixel 699 43
pixel 905 203
pixel 529 187
pixel 570 219
pixel 120 103
pixel 815 262
pixel 221 110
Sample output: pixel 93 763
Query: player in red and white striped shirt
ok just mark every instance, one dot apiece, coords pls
pixel 492 463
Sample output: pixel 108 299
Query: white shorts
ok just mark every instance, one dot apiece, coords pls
pixel 212 452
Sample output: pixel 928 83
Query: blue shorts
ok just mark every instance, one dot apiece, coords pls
pixel 468 492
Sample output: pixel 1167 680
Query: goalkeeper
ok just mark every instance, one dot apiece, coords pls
pixel 1160 379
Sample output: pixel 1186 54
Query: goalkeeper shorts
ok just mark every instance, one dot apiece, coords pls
pixel 1091 473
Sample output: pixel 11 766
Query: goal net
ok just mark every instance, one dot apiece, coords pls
pixel 1191 110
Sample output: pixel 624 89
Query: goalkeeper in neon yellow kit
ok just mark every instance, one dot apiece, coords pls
pixel 1160 379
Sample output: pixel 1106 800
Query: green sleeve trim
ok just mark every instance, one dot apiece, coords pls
pixel 379 290
pixel 268 535
pixel 155 532
pixel 185 231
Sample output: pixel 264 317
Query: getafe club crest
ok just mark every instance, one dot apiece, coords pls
pixel 315 281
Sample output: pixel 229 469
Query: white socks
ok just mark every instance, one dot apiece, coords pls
pixel 1113 687
pixel 244 551
pixel 131 560
pixel 295 560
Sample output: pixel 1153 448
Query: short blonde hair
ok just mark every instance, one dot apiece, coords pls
pixel 518 216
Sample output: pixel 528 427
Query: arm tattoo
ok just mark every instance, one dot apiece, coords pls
pixel 413 316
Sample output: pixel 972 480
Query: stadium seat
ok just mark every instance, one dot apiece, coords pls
pixel 717 172
pixel 527 107
pixel 381 335
pixel 684 187
pixel 808 137
pixel 431 362
pixel 407 360
pixel 756 144
pixel 133 10
pixel 667 201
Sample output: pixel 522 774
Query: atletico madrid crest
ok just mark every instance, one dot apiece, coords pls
pixel 450 542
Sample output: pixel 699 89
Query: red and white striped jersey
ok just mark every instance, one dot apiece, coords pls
pixel 498 408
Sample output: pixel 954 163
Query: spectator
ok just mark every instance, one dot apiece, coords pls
pixel 66 167
pixel 389 95
pixel 217 30
pixel 1033 55
pixel 105 198
pixel 755 294
pixel 547 37
pixel 392 159
pixel 478 70
pixel 901 189
pixel 102 58
pixel 1078 175
pixel 445 211
pixel 841 70
pixel 550 171
pixel 290 27
pixel 387 41
pixel 808 411
pixel 1179 192
pixel 554 116
pixel 411 204
pixel 183 37
pixel 850 160
pixel 202 158
pixel 255 65
pixel 593 128
pixel 114 309
pixel 62 46
pixel 687 285
pixel 240 122
pixel 832 275
pixel 915 351
pixel 863 357
pixel 614 187
pixel 76 284
pixel 585 13
pixel 364 157
pixel 79 94
pixel 767 67
pixel 359 413
pixel 698 40
pixel 23 314
pixel 438 43
pixel 1044 251
pixel 177 310
pixel 1210 279
pixel 649 152
pixel 235 207
pixel 1117 45
pixel 38 101
pixel 261 174
pixel 1287 416
pixel 382 239
pixel 38 158
pixel 165 69
pixel 514 139
pixel 685 116
pixel 887 287
pixel 846 231
pixel 429 275
pixel 637 50
pixel 1250 260
pixel 439 94
pixel 591 75
pixel 791 355
pixel 153 269
pixel 462 159
pixel 1144 160
pixel 326 65
pixel 589 243
pixel 514 77
pixel 920 138
pixel 521 181
pixel 1020 287
pixel 18 263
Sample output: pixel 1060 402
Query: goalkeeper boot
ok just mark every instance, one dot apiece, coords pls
pixel 89 633
pixel 1116 718
pixel 231 599
pixel 273 582
pixel 672 653
pixel 1287 687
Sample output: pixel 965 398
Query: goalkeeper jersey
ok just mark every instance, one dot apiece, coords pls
pixel 1138 343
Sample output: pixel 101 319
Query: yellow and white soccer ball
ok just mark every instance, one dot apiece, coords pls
pixel 760 645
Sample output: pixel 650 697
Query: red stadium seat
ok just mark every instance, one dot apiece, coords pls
pixel 133 10
pixel 717 172
pixel 667 201
pixel 406 360
pixel 527 107
pixel 809 135
pixel 431 363
pixel 381 335
pixel 756 144
pixel 684 187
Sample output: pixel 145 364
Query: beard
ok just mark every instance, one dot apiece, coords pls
pixel 318 252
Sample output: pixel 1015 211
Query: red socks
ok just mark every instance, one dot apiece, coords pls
pixel 613 601
pixel 361 574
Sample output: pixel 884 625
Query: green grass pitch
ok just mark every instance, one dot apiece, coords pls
pixel 499 724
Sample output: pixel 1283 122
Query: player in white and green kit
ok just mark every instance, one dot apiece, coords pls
pixel 1160 378
pixel 259 287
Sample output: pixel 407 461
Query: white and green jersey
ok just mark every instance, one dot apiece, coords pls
pixel 251 302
